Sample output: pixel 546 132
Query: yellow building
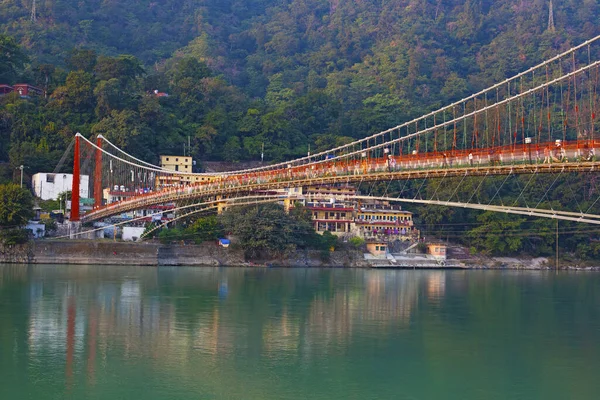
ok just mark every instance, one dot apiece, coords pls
pixel 322 193
pixel 184 165
pixel 176 163
pixel 437 250
pixel 377 221
pixel 336 218
pixel 377 248
pixel 329 214
pixel 385 221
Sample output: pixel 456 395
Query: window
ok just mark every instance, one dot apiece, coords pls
pixel 177 168
pixel 167 158
pixel 50 178
pixel 331 214
pixel 177 160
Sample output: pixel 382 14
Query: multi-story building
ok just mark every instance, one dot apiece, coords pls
pixel 329 213
pixel 184 165
pixel 319 193
pixel 382 221
pixel 178 164
pixel 373 221
pixel 334 210
pixel 48 186
pixel 336 218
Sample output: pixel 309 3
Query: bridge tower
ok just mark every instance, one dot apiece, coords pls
pixel 76 178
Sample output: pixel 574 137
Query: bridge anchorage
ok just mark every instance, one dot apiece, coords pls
pixel 527 131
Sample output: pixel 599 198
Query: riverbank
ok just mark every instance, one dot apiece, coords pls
pixel 156 254
pixel 105 252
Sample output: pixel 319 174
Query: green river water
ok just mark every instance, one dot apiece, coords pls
pixel 105 332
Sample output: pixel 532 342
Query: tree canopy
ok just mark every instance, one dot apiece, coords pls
pixel 16 206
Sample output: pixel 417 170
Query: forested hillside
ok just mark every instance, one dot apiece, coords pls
pixel 239 73
pixel 288 73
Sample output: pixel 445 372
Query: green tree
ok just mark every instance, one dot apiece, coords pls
pixel 205 229
pixel 232 149
pixel 77 94
pixel 497 234
pixel 126 68
pixel 120 127
pixel 82 60
pixel 16 206
pixel 109 97
pixel 357 242
pixel 12 59
pixel 266 230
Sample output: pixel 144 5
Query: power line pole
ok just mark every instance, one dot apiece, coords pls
pixel 551 27
pixel 33 12
pixel 21 167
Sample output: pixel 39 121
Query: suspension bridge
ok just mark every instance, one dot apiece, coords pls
pixel 541 121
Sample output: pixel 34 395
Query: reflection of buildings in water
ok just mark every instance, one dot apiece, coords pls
pixel 119 316
pixel 387 300
pixel 218 332
pixel 329 320
pixel 9 274
pixel 206 335
pixel 62 315
pixel 436 285
pixel 281 335
pixel 390 297
pixel 54 323
pixel 131 289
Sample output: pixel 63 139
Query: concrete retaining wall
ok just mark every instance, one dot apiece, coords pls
pixel 94 252
pixel 107 252
pixel 120 253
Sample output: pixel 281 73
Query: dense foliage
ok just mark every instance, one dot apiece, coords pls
pixel 288 74
pixel 266 230
pixel 16 208
pixel 202 229
pixel 241 73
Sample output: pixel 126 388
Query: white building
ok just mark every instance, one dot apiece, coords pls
pixel 132 233
pixel 48 186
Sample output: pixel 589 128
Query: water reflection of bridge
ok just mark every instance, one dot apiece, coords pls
pixel 141 317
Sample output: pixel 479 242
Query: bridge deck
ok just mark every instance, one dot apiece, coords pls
pixel 237 185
